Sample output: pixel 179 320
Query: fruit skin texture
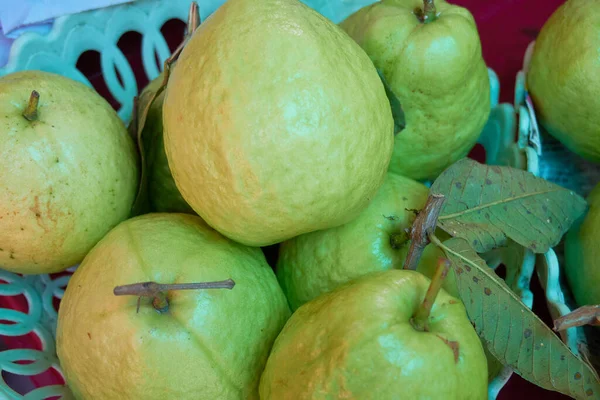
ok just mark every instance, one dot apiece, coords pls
pixel 212 344
pixel 318 262
pixel 163 194
pixel 276 122
pixel 582 254
pixel 563 77
pixel 357 343
pixel 438 74
pixel 66 178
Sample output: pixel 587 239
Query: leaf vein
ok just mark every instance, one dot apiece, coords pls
pixel 495 203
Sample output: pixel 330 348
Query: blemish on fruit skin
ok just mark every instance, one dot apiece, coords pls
pixel 468 268
pixel 487 291
pixel 475 279
pixel 458 185
pixel 589 392
pixel 488 181
pixel 527 333
pixel 89 335
pixel 577 376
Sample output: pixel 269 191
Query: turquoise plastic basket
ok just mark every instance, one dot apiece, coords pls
pixel 34 315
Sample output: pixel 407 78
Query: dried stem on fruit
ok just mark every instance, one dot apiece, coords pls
pixel 421 317
pixel 429 11
pixel 158 291
pixel 423 226
pixel 31 111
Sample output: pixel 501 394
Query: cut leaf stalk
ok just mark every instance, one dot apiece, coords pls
pixel 585 315
pixel 31 111
pixel 429 11
pixel 158 291
pixel 421 317
pixel 423 226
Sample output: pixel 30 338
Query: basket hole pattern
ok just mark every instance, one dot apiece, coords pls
pixel 89 65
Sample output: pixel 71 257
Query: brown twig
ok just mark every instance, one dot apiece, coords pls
pixel 424 225
pixel 31 111
pixel 157 291
pixel 193 21
pixel 421 317
pixel 193 24
pixel 586 315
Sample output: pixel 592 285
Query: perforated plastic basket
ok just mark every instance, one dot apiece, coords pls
pixel 28 304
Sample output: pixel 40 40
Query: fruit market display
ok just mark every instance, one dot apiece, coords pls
pixel 344 147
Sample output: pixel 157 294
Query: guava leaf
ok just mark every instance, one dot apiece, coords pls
pixel 519 263
pixel 512 332
pixel 397 111
pixel 488 204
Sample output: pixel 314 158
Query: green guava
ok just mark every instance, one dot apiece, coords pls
pixel 68 171
pixel 358 342
pixel 207 344
pixel 563 77
pixel 435 70
pixel 163 195
pixel 377 240
pixel 276 122
pixel 582 253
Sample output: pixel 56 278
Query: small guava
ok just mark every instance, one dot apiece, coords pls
pixel 68 172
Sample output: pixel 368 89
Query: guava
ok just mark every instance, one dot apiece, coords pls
pixel 200 344
pixel 377 240
pixel 582 253
pixel 563 78
pixel 431 59
pixel 360 341
pixel 276 122
pixel 68 171
pixel 163 195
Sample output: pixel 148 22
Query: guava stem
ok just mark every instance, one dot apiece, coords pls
pixel 398 239
pixel 193 24
pixel 31 111
pixel 424 225
pixel 158 291
pixel 586 315
pixel 429 11
pixel 421 317
pixel 193 21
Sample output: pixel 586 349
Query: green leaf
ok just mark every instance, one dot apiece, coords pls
pixel 519 263
pixel 397 111
pixel 512 332
pixel 486 205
